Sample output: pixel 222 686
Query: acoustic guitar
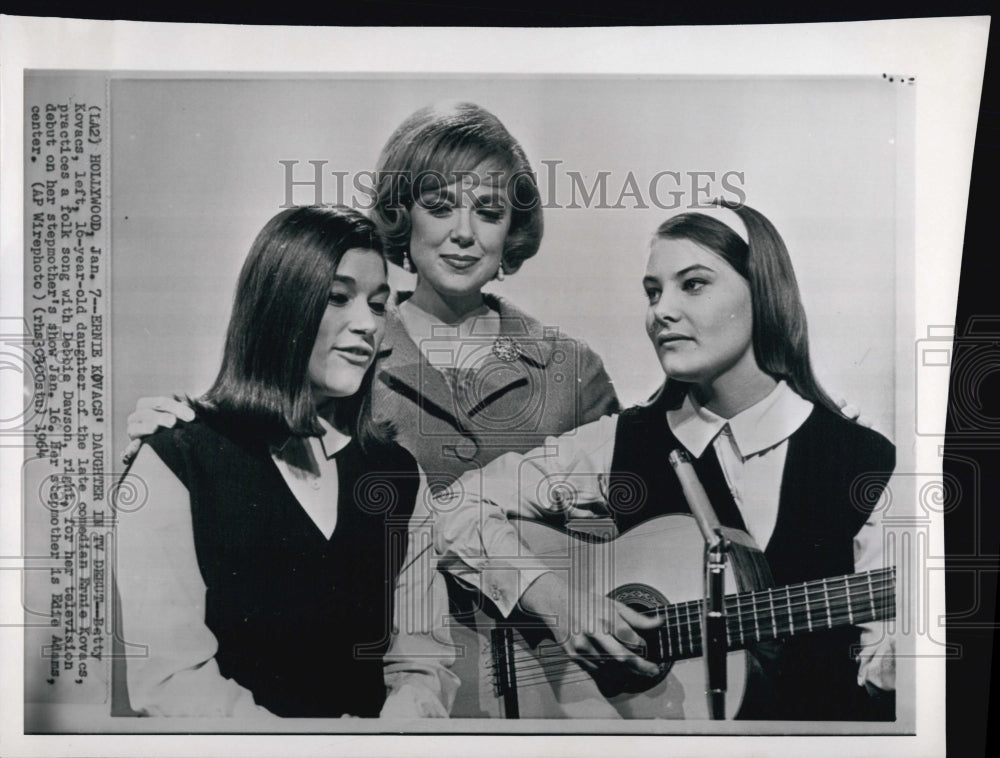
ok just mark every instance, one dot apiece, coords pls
pixel 656 567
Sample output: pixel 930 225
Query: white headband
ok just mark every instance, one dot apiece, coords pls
pixel 724 216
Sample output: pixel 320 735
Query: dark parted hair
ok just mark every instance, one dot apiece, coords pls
pixel 429 148
pixel 780 335
pixel 263 384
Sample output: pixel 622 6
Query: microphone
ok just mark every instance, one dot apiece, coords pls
pixel 713 615
pixel 697 498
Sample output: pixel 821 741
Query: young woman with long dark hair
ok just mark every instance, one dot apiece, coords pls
pixel 259 575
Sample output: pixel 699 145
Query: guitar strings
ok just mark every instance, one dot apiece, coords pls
pixel 789 604
pixel 878 583
pixel 684 631
pixel 527 662
pixel 839 614
pixel 873 582
pixel 532 670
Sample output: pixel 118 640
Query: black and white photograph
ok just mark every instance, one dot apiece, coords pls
pixel 479 398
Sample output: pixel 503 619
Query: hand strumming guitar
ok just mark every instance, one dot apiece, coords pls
pixel 594 632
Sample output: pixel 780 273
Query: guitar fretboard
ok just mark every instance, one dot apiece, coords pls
pixel 780 612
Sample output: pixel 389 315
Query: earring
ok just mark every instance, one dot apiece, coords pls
pixel 407 266
pixel 499 275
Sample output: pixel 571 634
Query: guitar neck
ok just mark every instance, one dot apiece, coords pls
pixel 780 612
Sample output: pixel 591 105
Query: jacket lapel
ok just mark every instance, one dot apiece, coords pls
pixel 404 369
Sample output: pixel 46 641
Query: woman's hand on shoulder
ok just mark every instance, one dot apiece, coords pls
pixel 852 412
pixel 150 414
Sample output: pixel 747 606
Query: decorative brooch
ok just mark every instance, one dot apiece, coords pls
pixel 506 349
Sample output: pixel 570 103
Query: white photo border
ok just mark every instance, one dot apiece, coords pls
pixel 945 57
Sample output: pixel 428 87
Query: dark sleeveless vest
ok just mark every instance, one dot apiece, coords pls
pixel 301 621
pixel 819 513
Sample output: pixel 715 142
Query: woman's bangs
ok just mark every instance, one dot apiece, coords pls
pixel 451 160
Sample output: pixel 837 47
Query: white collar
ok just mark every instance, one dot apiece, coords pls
pixel 763 425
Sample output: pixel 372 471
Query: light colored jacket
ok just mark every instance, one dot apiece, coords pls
pixel 554 384
pixel 549 384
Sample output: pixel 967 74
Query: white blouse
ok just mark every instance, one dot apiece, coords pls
pixel 751 448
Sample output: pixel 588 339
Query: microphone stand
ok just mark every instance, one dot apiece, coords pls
pixel 713 615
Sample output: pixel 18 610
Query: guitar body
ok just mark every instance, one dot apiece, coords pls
pixel 657 563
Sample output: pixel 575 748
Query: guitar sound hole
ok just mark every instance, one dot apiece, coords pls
pixel 645 600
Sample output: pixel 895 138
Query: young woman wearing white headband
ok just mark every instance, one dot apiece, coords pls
pixel 775 454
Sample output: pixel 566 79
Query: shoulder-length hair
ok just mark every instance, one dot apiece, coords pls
pixel 263 384
pixel 439 142
pixel 780 335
